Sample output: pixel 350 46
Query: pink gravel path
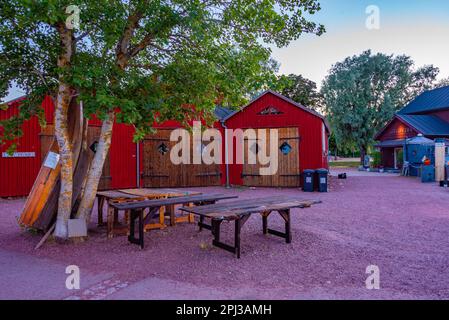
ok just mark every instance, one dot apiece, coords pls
pixel 396 223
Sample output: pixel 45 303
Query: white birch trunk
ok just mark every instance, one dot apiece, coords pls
pixel 96 169
pixel 62 135
pixel 66 159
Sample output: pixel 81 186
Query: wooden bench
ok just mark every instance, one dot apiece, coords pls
pixel 133 195
pixel 137 209
pixel 240 210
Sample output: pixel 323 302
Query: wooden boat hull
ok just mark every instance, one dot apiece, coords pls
pixel 42 203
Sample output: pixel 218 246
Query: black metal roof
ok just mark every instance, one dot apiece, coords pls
pixel 428 125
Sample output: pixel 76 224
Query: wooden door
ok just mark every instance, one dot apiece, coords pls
pixel 158 170
pixel 288 173
pixel 201 175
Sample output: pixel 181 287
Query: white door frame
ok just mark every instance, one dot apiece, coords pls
pixel 395 157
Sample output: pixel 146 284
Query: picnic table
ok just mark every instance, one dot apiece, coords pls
pixel 132 195
pixel 137 210
pixel 240 210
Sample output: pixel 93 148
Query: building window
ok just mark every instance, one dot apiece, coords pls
pixel 285 148
pixel 163 149
pixel 270 111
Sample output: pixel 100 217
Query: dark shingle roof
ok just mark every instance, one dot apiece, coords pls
pixel 221 112
pixel 428 101
pixel 428 125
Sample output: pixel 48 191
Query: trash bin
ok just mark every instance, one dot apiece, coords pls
pixel 322 175
pixel 308 180
pixel 428 174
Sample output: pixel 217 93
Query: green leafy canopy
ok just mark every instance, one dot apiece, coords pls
pixel 181 53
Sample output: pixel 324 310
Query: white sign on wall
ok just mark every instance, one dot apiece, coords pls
pixel 52 160
pixel 19 155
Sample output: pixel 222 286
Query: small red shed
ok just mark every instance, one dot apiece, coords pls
pixel 305 131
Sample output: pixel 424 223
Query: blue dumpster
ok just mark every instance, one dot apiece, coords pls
pixel 428 174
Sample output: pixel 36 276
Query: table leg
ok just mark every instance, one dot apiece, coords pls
pixel 110 227
pixel 287 235
pixel 235 249
pixel 265 221
pixel 127 217
pixel 191 218
pixel 141 226
pixel 132 226
pixel 201 223
pixel 100 205
pixel 216 229
pixel 162 216
pixel 136 214
pixel 288 228
pixel 115 216
pixel 170 210
pixel 237 230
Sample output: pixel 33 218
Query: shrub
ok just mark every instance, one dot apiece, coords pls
pixel 377 159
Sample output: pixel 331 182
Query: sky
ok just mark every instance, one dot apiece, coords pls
pixel 417 28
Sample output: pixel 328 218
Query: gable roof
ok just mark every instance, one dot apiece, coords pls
pixel 431 100
pixel 15 100
pixel 428 125
pixel 294 103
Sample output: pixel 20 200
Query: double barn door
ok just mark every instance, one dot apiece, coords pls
pixel 288 173
pixel 160 172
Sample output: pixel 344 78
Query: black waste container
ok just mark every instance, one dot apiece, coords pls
pixel 322 175
pixel 308 180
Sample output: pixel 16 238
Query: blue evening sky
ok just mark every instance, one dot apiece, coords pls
pixel 418 28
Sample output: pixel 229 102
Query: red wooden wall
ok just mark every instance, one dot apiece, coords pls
pixel 123 155
pixel 17 175
pixel 397 130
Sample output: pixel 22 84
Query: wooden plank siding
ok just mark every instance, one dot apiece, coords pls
pixel 288 173
pixel 160 172
pixel 17 174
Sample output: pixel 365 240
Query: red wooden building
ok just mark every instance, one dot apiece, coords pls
pixel 18 172
pixel 303 129
pixel 303 134
pixel 428 115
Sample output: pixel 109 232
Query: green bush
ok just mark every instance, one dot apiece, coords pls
pixel 400 158
pixel 377 159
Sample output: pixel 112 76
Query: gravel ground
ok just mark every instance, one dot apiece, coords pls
pixel 396 223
